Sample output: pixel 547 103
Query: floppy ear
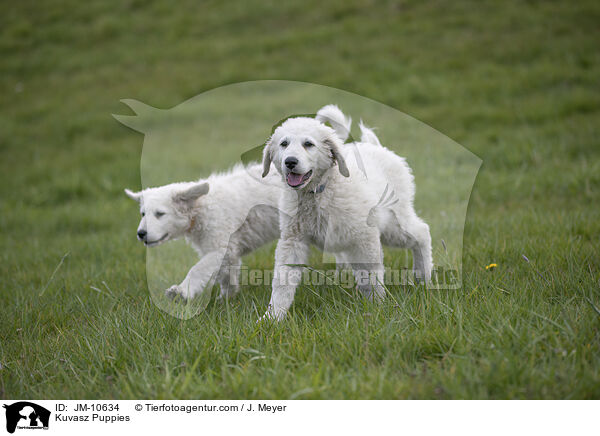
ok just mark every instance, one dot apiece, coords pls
pixel 267 158
pixel 335 145
pixel 192 193
pixel 133 195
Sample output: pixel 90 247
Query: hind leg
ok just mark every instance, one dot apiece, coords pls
pixel 419 240
pixel 413 234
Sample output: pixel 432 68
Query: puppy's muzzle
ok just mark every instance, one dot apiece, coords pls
pixel 142 235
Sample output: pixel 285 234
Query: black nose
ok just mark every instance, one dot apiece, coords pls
pixel 142 234
pixel 291 162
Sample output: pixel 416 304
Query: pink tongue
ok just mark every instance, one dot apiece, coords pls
pixel 294 179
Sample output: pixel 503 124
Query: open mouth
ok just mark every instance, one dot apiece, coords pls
pixel 158 241
pixel 297 180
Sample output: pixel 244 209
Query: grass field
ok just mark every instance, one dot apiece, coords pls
pixel 515 83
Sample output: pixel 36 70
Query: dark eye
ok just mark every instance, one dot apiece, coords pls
pixel 284 143
pixel 158 214
pixel 143 213
pixel 308 144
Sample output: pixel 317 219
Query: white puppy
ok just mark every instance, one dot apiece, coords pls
pixel 223 217
pixel 346 206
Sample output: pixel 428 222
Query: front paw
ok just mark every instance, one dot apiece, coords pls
pixel 176 292
pixel 271 315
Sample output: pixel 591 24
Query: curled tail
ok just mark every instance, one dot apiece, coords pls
pixel 339 122
pixel 368 135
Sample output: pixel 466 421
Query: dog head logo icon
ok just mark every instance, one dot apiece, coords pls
pixel 26 415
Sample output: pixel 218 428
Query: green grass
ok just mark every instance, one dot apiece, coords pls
pixel 516 83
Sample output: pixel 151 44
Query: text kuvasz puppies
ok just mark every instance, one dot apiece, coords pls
pixel 224 218
pixel 339 209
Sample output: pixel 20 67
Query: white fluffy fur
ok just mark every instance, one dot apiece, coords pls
pixel 349 205
pixel 224 217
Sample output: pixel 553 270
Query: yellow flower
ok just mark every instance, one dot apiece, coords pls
pixel 491 266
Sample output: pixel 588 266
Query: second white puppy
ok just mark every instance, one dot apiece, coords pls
pixel 335 202
pixel 223 217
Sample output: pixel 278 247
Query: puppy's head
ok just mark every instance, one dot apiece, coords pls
pixel 166 211
pixel 303 149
